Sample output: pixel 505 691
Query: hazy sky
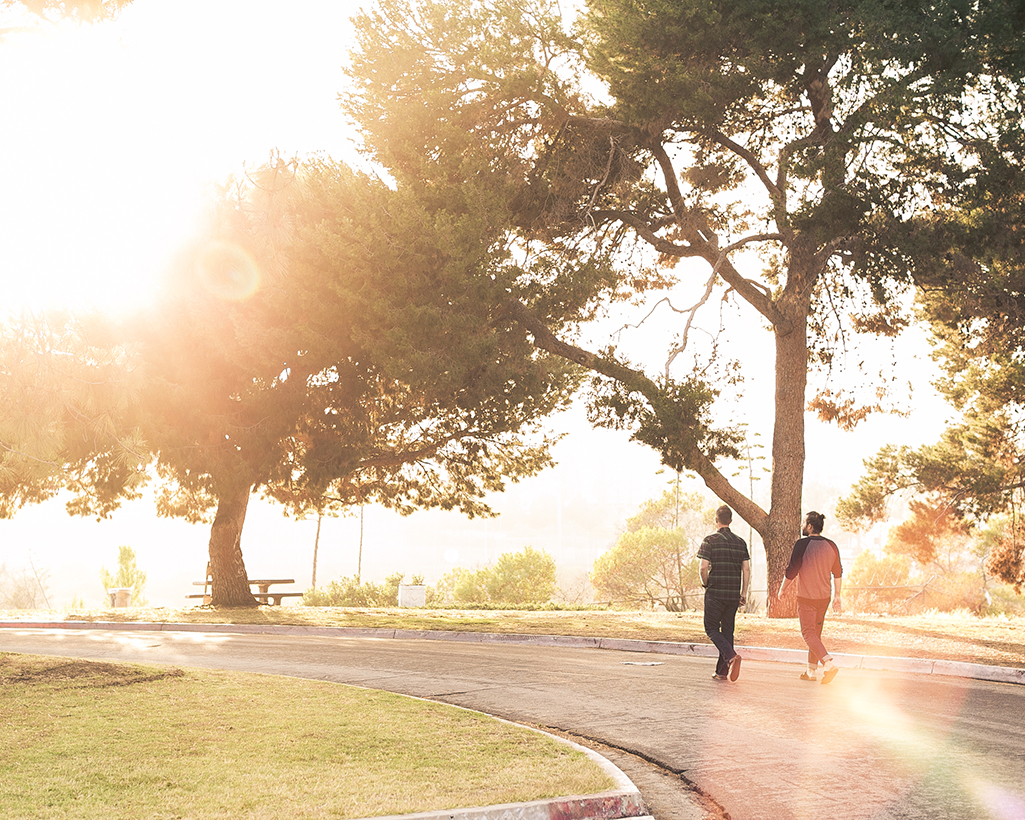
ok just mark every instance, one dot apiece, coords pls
pixel 109 136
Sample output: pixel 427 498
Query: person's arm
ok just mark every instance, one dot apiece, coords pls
pixel 703 571
pixel 794 567
pixel 745 572
pixel 837 604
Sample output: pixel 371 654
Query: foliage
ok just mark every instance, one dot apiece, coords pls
pixel 848 145
pixel 460 587
pixel 932 536
pixel 299 361
pixel 24 588
pixel 71 415
pixel 524 578
pixel 127 575
pixel 877 584
pixel 974 472
pixel 934 560
pixel 53 10
pixel 653 562
pixel 352 592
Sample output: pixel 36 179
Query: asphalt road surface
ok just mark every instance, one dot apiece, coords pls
pixel 768 747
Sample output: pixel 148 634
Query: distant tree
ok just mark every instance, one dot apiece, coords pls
pixel 519 578
pixel 933 536
pixel 128 575
pixel 689 512
pixel 652 564
pixel 877 584
pixel 524 577
pixel 23 589
pixel 461 587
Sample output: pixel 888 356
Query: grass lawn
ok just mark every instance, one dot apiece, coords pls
pixel 999 641
pixel 85 740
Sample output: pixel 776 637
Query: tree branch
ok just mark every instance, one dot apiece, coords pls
pixel 635 381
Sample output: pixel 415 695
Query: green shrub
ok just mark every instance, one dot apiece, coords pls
pixel 350 592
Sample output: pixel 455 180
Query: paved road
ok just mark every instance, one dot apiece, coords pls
pixel 769 747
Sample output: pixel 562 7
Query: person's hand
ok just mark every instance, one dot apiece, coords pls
pixel 743 600
pixel 837 606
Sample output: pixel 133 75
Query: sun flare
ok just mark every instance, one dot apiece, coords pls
pixel 111 135
pixel 90 211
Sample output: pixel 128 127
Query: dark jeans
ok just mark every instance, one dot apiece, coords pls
pixel 720 618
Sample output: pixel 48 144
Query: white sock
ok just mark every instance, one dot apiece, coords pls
pixel 812 670
pixel 827 664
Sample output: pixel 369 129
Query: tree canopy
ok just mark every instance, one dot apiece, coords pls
pixel 810 162
pixel 291 361
pixel 295 352
pixel 974 471
pixel 14 12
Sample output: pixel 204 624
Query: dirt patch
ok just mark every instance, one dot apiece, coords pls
pixel 80 674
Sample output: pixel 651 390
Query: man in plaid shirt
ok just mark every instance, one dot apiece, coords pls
pixel 725 574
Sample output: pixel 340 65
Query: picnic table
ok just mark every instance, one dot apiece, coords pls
pixel 263 586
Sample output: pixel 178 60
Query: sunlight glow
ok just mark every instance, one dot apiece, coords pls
pixel 89 215
pixel 1002 804
pixel 113 135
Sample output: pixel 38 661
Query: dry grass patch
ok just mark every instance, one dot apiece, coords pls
pixel 91 740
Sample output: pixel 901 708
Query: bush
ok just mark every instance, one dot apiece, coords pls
pixel 525 578
pixel 350 592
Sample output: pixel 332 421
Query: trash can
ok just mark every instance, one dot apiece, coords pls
pixel 412 595
pixel 120 597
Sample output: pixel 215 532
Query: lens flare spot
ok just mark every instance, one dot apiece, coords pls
pixel 1003 804
pixel 227 271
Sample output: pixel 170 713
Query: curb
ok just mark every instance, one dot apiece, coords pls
pixel 620 803
pixel 918 666
pixel 623 802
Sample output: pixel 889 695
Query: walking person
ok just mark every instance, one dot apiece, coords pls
pixel 726 575
pixel 813 562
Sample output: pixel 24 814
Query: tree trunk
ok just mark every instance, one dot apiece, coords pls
pixel 783 527
pixel 227 569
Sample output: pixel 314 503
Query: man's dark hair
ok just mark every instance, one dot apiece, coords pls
pixel 724 515
pixel 816 521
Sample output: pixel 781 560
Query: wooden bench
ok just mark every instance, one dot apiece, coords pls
pixel 275 597
pixel 263 593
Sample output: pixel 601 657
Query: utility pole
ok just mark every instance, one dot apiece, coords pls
pixel 316 548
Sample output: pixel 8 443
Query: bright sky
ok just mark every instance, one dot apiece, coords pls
pixel 110 133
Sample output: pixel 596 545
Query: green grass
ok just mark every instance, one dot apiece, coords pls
pixel 91 740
